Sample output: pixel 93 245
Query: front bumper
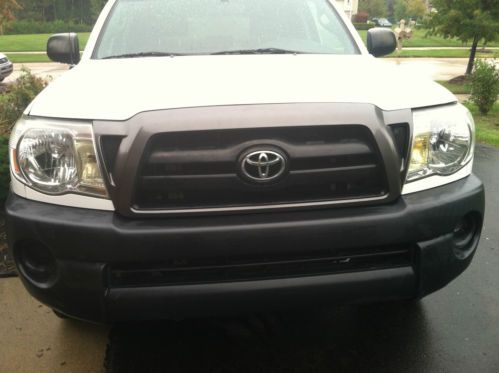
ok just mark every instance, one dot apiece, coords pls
pixel 87 244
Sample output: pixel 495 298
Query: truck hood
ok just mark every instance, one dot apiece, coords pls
pixel 119 89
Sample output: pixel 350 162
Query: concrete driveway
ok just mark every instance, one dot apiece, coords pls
pixel 454 330
pixel 44 70
pixel 33 340
pixel 435 68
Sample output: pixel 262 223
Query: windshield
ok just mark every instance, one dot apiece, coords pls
pixel 140 28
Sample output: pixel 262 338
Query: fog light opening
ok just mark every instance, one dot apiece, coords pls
pixel 36 262
pixel 465 235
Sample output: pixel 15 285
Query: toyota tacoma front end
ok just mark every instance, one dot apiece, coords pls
pixel 238 171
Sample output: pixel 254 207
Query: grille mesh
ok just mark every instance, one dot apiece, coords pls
pixel 201 169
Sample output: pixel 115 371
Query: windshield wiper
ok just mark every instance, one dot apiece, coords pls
pixel 259 51
pixel 144 54
pixel 239 51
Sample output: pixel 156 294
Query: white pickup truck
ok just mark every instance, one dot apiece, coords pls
pixel 213 156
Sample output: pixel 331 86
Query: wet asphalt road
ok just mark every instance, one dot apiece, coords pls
pixel 453 330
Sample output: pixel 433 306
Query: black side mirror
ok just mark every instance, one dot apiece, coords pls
pixel 381 41
pixel 64 48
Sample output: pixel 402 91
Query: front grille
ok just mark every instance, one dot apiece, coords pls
pixel 401 138
pixel 187 271
pixel 200 169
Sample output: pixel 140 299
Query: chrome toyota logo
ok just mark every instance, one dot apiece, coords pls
pixel 263 166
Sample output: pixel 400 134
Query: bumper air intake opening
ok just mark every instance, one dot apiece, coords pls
pixel 36 262
pixel 466 233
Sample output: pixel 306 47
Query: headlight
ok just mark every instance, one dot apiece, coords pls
pixel 56 158
pixel 443 141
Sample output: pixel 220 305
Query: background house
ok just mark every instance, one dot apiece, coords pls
pixel 350 7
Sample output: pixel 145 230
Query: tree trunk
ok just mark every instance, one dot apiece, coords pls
pixel 471 61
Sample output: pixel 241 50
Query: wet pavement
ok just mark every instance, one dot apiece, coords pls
pixel 453 330
pixel 33 340
pixel 434 68
pixel 46 70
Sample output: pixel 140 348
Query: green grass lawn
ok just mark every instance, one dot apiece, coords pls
pixel 27 58
pixel 457 89
pixel 487 127
pixel 31 43
pixel 419 39
pixel 38 42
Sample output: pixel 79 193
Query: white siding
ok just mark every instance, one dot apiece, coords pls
pixel 351 7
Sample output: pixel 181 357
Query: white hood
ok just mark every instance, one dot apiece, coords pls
pixel 119 89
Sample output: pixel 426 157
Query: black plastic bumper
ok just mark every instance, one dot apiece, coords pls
pixel 86 243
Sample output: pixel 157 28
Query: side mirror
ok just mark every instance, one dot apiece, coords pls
pixel 381 41
pixel 64 48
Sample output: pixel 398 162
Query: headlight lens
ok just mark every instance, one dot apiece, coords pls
pixel 56 158
pixel 443 141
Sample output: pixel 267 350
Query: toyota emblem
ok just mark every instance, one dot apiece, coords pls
pixel 263 166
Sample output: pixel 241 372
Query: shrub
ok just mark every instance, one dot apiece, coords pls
pixel 363 26
pixel 17 98
pixel 484 85
pixel 12 104
pixel 4 168
pixel 361 17
pixel 39 27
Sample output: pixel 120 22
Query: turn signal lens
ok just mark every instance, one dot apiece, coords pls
pixel 91 180
pixel 14 164
pixel 419 159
